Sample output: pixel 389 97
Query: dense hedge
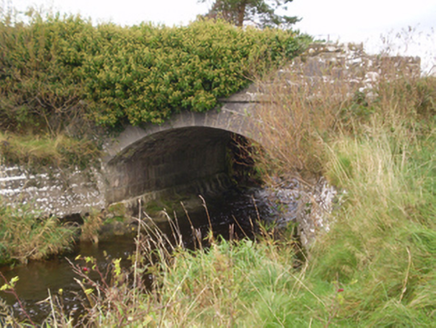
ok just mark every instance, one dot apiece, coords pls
pixel 58 68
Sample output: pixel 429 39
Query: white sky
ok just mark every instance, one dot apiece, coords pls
pixel 343 20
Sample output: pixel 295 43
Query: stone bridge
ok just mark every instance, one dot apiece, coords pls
pixel 187 153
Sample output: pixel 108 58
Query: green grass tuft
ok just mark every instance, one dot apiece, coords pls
pixel 27 235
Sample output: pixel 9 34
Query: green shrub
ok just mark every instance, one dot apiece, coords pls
pixel 57 68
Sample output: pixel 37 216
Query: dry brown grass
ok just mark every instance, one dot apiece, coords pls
pixel 297 116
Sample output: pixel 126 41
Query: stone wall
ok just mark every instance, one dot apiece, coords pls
pixel 349 64
pixel 53 191
pixel 310 206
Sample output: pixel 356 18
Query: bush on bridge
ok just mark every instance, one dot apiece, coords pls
pixel 56 70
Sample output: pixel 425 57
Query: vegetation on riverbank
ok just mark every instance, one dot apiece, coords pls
pixel 27 235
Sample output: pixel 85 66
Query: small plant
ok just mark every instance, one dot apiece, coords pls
pixel 7 318
pixel 109 297
pixel 92 222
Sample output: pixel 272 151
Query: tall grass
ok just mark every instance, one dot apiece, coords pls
pixel 380 151
pixel 297 115
pixel 382 246
pixel 26 234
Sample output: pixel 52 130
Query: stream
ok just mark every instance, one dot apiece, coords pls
pixel 37 278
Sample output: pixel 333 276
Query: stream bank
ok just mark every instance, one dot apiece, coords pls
pixel 233 214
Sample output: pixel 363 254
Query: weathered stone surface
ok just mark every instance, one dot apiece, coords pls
pixel 314 210
pixel 170 159
pixel 52 190
pixel 308 205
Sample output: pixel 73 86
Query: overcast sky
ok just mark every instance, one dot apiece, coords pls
pixel 343 20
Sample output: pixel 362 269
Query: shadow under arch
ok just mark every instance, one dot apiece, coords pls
pixel 179 160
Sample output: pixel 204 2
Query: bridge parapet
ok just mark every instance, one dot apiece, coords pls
pixel 349 65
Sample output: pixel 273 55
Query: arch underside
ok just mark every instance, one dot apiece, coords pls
pixel 188 159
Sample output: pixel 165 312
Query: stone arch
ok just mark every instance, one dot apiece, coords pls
pixel 187 153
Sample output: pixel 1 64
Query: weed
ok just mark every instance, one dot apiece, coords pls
pixel 9 287
pixel 92 223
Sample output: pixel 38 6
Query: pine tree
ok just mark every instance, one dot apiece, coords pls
pixel 258 12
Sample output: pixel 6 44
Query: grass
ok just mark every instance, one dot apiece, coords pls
pixel 91 226
pixel 297 119
pixel 27 235
pixel 380 251
pixel 232 284
pixel 39 150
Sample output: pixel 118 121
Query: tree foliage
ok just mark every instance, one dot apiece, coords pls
pixel 56 69
pixel 260 12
